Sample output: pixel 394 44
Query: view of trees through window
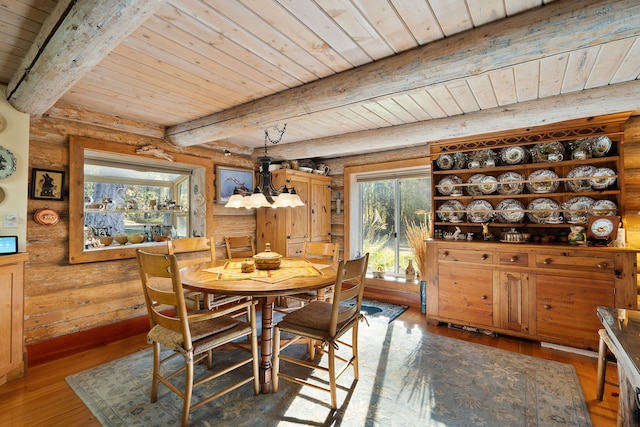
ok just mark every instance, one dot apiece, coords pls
pixel 387 205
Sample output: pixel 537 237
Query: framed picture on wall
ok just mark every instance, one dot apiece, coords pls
pixel 47 184
pixel 228 179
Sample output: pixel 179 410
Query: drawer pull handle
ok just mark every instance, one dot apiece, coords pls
pixel 483 297
pixel 445 253
pixel 484 256
pixel 602 265
pixel 547 261
pixel 514 258
pixel 546 306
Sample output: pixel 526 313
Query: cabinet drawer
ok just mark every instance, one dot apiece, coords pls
pixel 513 258
pixel 567 261
pixel 464 256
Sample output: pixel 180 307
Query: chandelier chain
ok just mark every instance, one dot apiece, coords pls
pixel 267 137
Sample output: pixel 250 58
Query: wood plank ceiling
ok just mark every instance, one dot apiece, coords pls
pixel 348 76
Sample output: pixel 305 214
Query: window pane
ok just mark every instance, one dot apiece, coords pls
pixel 415 204
pixel 387 206
pixel 378 224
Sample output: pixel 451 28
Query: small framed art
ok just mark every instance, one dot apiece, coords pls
pixel 47 184
pixel 228 179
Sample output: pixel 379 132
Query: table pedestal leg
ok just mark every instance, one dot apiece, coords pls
pixel 266 346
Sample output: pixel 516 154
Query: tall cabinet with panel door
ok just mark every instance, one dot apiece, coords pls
pixel 287 228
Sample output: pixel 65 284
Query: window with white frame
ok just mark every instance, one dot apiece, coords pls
pixel 382 204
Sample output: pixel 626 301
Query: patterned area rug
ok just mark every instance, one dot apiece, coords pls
pixel 382 310
pixel 406 378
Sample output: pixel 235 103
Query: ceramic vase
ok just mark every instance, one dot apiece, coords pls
pixel 410 272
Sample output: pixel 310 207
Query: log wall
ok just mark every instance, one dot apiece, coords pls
pixel 61 298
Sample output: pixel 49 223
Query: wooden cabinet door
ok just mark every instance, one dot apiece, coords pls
pixel 513 307
pixel 298 218
pixel 465 294
pixel 320 211
pixel 566 308
pixel 11 318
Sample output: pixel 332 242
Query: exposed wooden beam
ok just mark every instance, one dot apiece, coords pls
pixel 93 118
pixel 575 105
pixel 556 28
pixel 73 39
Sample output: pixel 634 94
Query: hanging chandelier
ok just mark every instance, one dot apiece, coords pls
pixel 264 194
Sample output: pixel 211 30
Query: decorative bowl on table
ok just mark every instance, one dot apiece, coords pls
pixel 106 241
pixel 121 238
pixel 267 260
pixel 136 238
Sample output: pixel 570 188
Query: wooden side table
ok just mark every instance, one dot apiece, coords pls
pixel 622 336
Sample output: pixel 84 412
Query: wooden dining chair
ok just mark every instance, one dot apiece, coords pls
pixel 190 251
pixel 198 250
pixel 325 323
pixel 310 251
pixel 240 246
pixel 192 335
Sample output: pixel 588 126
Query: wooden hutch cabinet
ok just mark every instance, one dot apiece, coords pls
pixel 286 228
pixel 535 285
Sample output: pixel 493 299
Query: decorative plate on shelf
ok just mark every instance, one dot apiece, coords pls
pixel 510 183
pixel 513 155
pixel 488 184
pixel 540 152
pixel 542 181
pixel 479 211
pixel 601 146
pixel 575 184
pixel 459 160
pixel 604 208
pixel 474 188
pixel 445 161
pixel 582 144
pixel 8 163
pixel 576 210
pixel 541 209
pixel 447 184
pixel 510 211
pixel 603 178
pixel 480 157
pixel 451 211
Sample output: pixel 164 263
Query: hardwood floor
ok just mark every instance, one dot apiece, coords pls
pixel 43 398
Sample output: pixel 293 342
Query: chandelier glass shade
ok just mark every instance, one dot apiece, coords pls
pixel 264 194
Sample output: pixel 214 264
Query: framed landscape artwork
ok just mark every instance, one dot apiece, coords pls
pixel 228 179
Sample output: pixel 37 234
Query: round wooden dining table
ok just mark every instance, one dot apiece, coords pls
pixel 197 278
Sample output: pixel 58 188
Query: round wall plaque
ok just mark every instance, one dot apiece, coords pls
pixel 46 217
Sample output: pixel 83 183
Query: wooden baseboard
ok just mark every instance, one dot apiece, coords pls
pixel 392 296
pixel 66 345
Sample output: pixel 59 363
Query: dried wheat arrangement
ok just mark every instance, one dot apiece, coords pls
pixel 416 235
